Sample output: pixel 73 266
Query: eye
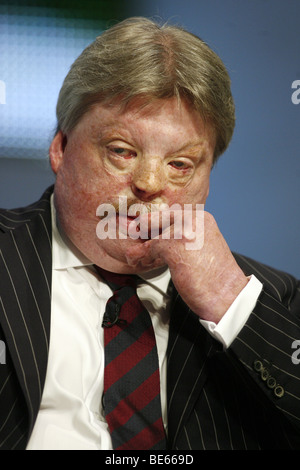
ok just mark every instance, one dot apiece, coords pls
pixel 123 152
pixel 179 165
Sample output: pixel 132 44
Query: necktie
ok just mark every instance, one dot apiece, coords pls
pixel 131 379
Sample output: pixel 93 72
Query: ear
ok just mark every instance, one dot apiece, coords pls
pixel 56 151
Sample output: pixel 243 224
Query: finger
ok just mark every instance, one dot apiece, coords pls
pixel 159 224
pixel 141 255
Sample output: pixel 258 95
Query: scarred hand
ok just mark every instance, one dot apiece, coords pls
pixel 207 276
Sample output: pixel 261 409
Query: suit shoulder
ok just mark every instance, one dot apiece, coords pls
pixel 11 219
pixel 278 283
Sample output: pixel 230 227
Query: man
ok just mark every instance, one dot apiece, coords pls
pixel 143 115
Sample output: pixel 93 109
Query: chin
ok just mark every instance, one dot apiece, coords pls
pixel 113 255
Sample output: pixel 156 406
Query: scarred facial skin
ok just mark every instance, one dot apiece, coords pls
pixel 160 153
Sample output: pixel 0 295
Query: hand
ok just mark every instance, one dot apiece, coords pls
pixel 207 278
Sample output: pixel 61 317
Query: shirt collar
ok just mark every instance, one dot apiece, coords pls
pixel 66 255
pixel 158 279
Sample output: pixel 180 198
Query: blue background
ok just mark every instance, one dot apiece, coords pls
pixel 255 190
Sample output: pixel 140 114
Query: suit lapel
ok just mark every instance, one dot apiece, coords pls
pixel 25 273
pixel 189 348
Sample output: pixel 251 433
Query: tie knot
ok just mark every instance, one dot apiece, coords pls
pixel 117 281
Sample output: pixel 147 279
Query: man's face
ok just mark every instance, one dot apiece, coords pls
pixel 159 153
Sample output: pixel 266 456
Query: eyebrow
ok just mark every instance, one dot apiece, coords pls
pixel 191 146
pixel 114 130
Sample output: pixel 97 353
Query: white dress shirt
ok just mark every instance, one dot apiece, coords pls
pixel 71 416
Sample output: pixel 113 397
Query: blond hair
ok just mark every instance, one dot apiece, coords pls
pixel 140 57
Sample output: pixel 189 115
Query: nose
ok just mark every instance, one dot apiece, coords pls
pixel 148 179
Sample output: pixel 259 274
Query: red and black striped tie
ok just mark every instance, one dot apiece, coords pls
pixel 131 380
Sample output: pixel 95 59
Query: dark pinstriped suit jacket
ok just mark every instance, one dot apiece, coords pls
pixel 247 397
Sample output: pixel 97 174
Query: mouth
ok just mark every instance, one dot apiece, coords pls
pixel 140 222
pixel 130 227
